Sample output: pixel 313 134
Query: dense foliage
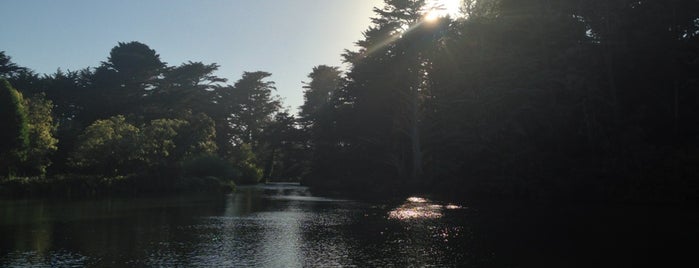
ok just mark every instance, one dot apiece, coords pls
pixel 533 99
pixel 529 99
pixel 134 117
pixel 42 140
pixel 14 136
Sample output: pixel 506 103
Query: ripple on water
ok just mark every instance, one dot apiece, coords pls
pixel 36 259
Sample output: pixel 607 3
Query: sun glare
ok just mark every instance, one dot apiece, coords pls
pixel 435 9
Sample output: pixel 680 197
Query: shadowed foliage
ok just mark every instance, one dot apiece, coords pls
pixel 533 99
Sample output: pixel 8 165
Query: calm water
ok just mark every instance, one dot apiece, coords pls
pixel 284 225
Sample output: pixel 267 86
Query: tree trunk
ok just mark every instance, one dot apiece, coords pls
pixel 270 165
pixel 415 139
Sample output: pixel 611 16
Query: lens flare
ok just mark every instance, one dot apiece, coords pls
pixel 435 9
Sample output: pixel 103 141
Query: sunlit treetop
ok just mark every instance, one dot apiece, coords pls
pixel 435 9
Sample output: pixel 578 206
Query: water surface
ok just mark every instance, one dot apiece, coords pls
pixel 284 225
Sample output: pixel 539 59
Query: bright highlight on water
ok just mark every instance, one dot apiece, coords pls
pixel 419 208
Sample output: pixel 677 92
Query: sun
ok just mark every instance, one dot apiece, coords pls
pixel 432 15
pixel 435 9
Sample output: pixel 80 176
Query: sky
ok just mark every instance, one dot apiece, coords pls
pixel 284 37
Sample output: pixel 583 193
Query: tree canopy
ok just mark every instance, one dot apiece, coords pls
pixel 14 136
pixel 529 99
pixel 524 98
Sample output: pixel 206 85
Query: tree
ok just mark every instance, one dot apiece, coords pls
pixel 191 87
pixel 8 68
pixel 245 162
pixel 319 121
pixel 42 130
pixel 198 136
pixel 249 106
pixel 14 136
pixel 196 75
pixel 121 84
pixel 325 80
pixel 285 146
pixel 108 147
pixel 387 85
pixel 23 79
pixel 165 144
pixel 135 64
pixel 157 143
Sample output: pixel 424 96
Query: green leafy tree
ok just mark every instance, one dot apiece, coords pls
pixel 108 147
pixel 245 162
pixel 157 142
pixel 14 136
pixel 42 130
pixel 198 137
pixel 74 108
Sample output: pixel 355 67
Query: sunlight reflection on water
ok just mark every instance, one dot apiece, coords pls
pixel 415 199
pixel 452 206
pixel 286 226
pixel 419 208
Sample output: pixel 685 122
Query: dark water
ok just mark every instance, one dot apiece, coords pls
pixel 285 226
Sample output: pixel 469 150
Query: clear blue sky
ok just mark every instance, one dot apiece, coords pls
pixel 284 37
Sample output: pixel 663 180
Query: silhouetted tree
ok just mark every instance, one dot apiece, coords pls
pixel 386 84
pixel 249 104
pixel 530 98
pixel 134 64
pixel 193 75
pixel 325 80
pixel 318 117
pixel 8 68
pixel 286 157
pixel 191 87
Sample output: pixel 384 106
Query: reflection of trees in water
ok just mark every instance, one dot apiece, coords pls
pixel 250 228
pixel 110 231
pixel 30 220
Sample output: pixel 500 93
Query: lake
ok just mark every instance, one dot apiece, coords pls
pixel 285 225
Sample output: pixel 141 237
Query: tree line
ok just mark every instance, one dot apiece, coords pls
pixel 135 116
pixel 533 99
